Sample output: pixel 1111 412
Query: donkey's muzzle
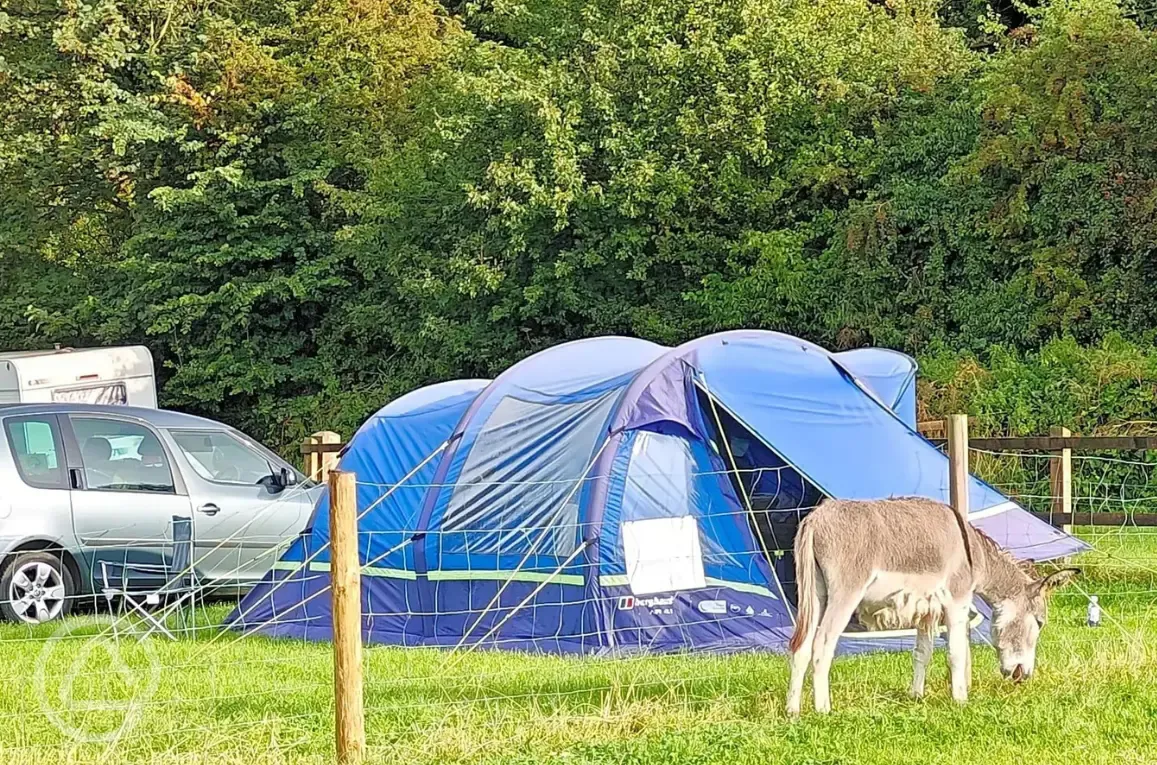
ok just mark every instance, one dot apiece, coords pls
pixel 1017 674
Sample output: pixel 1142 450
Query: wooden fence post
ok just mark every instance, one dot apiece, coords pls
pixel 345 586
pixel 308 459
pixel 958 463
pixel 318 464
pixel 1061 479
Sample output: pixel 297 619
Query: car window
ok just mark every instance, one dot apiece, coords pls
pixel 220 457
pixel 121 456
pixel 35 444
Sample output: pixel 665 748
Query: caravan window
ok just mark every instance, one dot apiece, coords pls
pixel 109 393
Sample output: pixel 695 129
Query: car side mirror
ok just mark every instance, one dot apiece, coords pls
pixel 276 481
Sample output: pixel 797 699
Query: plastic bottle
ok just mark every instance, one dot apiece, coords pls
pixel 1094 619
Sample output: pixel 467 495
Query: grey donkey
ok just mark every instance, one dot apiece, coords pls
pixel 909 563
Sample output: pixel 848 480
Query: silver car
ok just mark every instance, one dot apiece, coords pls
pixel 82 484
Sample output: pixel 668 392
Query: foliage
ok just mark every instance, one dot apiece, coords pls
pixel 673 143
pixel 1019 207
pixel 1106 389
pixel 306 207
pixel 182 161
pixel 1096 390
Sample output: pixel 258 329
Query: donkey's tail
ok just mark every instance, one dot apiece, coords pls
pixel 805 579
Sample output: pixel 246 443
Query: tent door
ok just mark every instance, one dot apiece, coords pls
pixel 778 496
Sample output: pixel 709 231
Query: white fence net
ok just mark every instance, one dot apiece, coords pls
pixel 132 678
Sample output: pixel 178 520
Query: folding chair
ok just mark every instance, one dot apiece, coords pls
pixel 178 591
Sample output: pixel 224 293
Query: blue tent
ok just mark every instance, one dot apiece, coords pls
pixel 612 494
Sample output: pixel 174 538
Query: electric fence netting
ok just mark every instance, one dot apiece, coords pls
pixel 158 675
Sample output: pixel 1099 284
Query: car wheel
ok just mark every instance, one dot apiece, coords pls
pixel 35 588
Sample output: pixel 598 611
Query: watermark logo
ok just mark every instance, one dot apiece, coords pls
pixel 92 684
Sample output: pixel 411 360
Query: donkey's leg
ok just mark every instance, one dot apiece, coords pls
pixel 841 605
pixel 799 664
pixel 959 652
pixel 802 657
pixel 968 659
pixel 921 655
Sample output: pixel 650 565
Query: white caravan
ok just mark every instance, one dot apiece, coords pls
pixel 81 376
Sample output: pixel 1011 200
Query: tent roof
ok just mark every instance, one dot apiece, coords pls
pixel 828 415
pixel 577 366
pixel 887 373
pixel 431 397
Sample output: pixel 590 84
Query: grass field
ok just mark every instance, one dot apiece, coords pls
pixel 256 701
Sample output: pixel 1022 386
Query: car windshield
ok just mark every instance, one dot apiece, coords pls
pixel 222 456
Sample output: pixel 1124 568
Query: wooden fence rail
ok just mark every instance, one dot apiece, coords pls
pixel 312 448
pixel 320 453
pixel 1059 439
pixel 1057 443
pixel 1098 519
pixel 1060 445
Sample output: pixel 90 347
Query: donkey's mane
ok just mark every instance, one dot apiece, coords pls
pixel 995 548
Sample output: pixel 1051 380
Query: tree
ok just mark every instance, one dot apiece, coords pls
pixel 614 168
pixel 1017 206
pixel 184 163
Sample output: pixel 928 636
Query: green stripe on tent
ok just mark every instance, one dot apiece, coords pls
pixel 607 580
pixel 389 573
pixel 322 567
pixel 502 576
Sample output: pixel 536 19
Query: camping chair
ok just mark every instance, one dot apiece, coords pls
pixel 178 591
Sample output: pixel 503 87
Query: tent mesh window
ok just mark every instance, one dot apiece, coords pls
pixel 519 490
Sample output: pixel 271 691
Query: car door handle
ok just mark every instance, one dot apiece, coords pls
pixel 209 509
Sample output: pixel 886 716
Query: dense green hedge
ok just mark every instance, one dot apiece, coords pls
pixel 307 207
pixel 1106 389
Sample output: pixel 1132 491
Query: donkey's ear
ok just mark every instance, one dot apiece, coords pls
pixel 1058 579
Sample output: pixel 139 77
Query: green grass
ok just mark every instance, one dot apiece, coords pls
pixel 257 701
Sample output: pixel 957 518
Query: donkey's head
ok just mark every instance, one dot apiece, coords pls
pixel 1017 622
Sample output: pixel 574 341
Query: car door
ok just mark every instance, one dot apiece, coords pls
pixel 240 524
pixel 34 504
pixel 125 494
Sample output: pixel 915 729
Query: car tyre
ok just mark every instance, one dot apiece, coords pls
pixel 36 587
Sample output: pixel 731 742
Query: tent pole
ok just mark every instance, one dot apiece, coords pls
pixel 744 495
